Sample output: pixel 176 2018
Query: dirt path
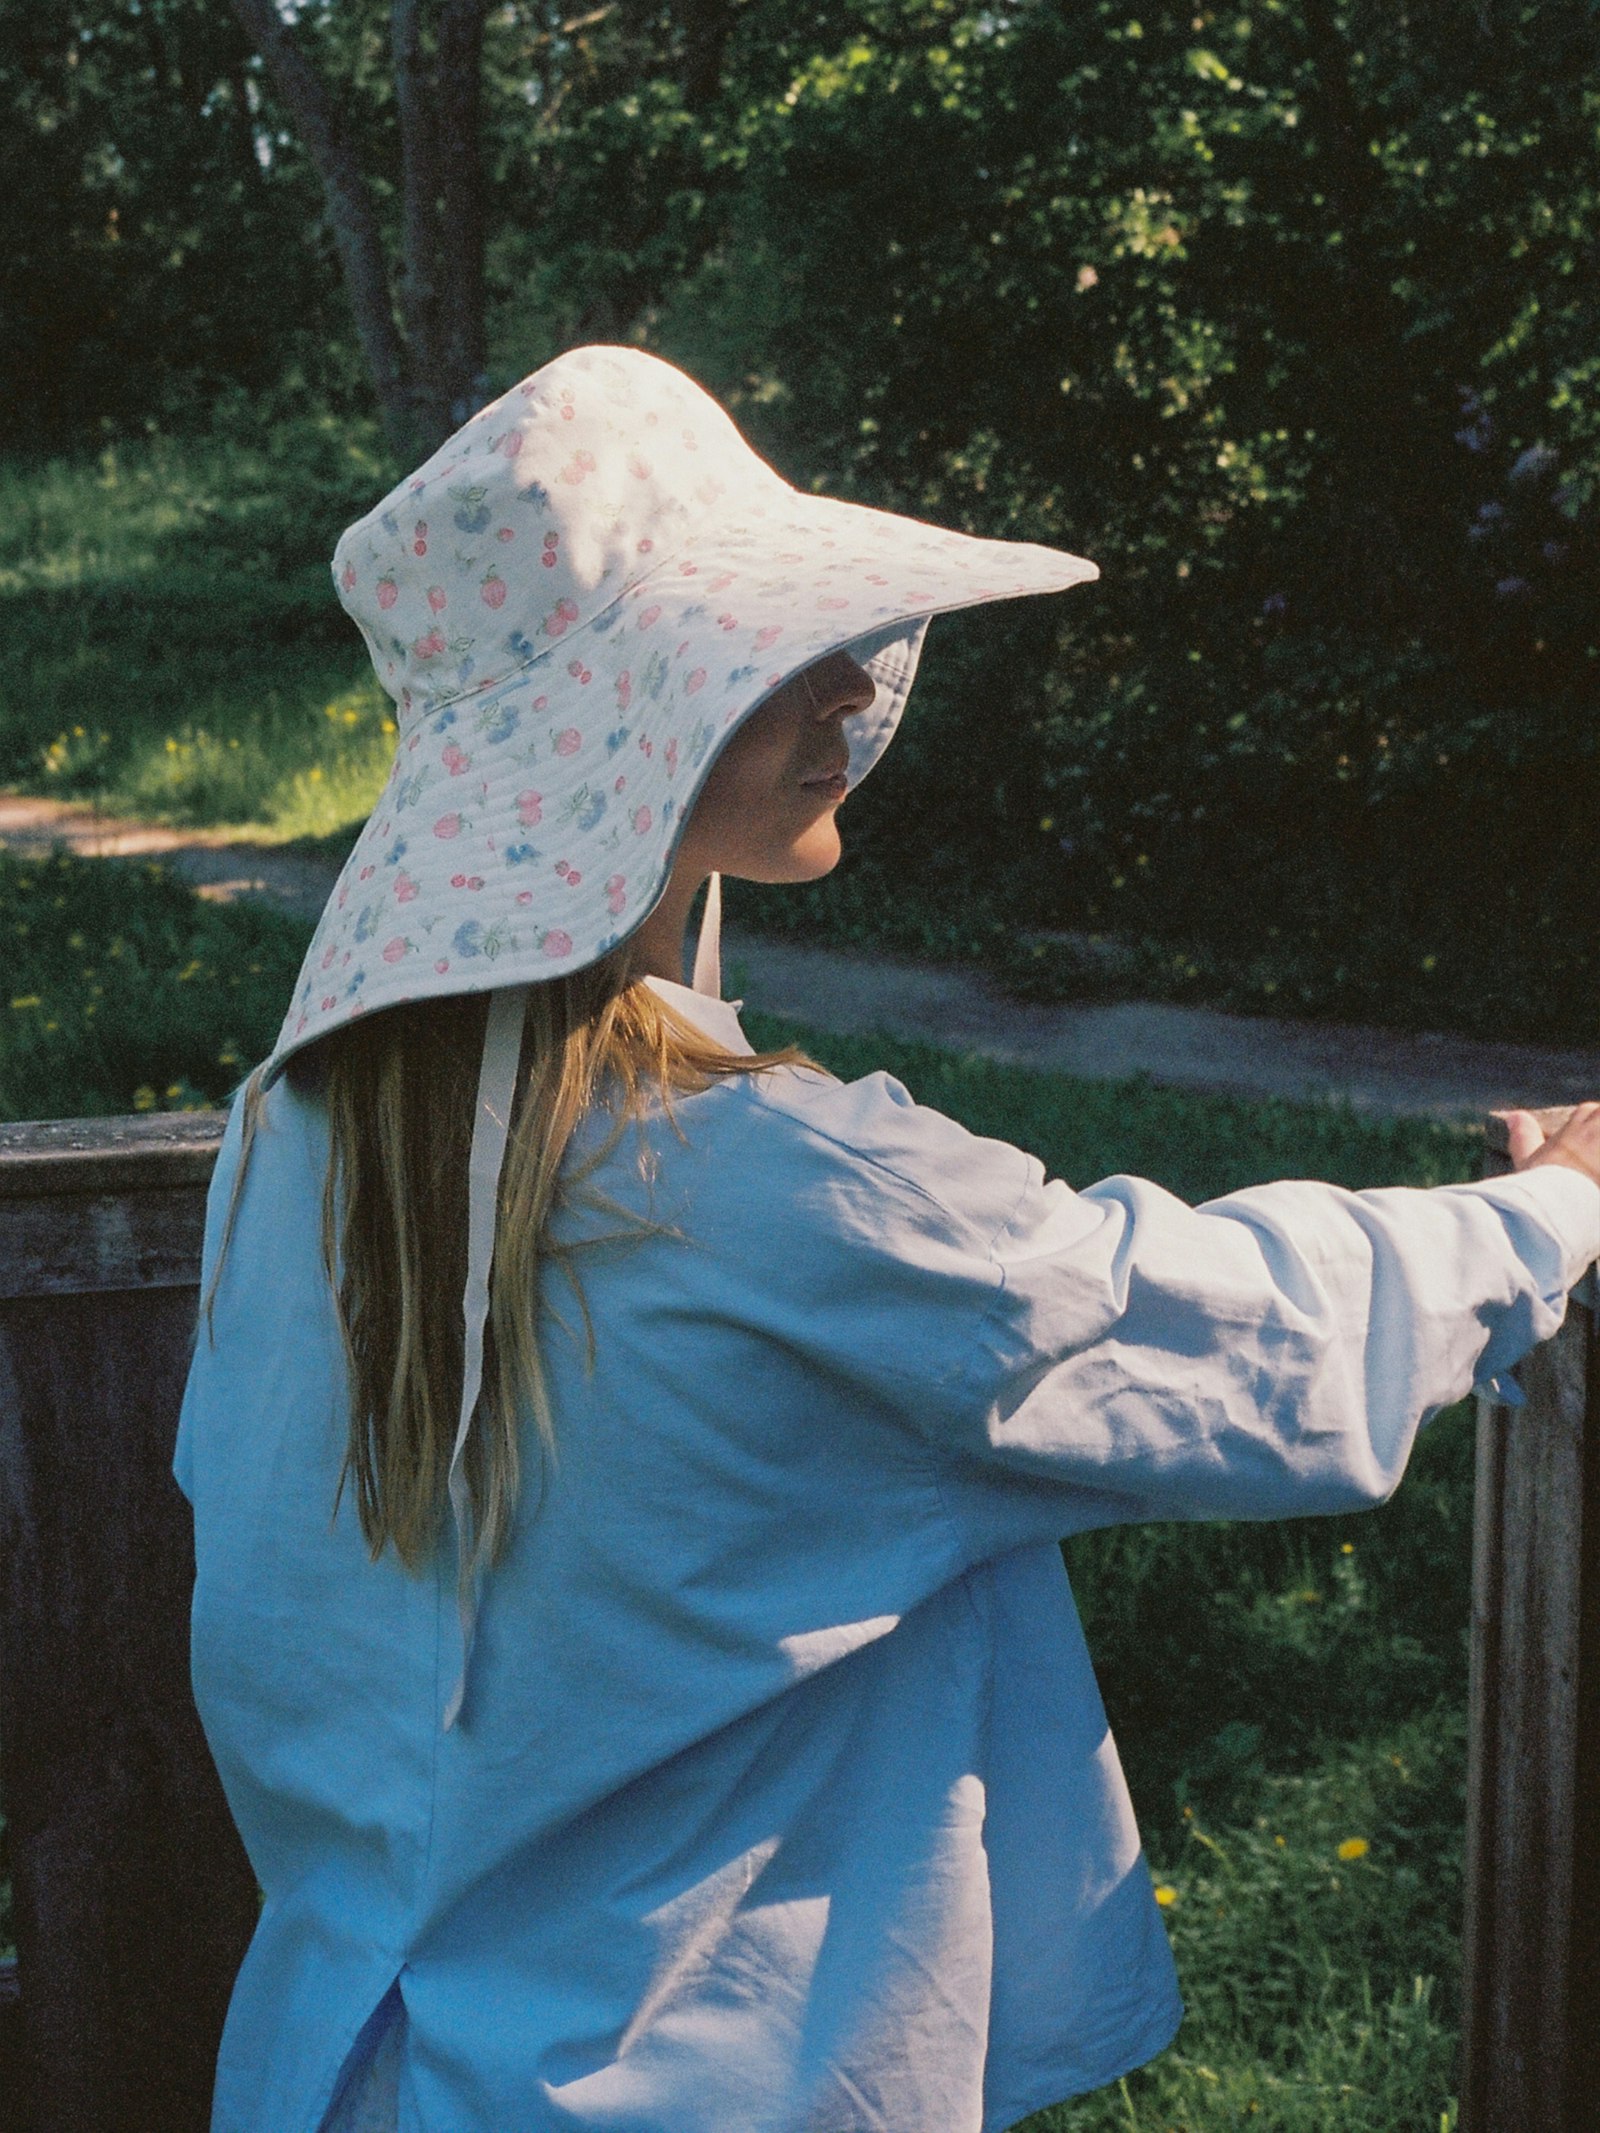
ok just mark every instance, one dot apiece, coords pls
pixel 1386 1071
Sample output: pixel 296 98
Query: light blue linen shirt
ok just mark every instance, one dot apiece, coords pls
pixel 783 1799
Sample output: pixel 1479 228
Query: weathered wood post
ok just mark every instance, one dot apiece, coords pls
pixel 133 1898
pixel 1531 1985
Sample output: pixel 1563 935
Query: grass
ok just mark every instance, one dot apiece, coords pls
pixel 1278 1691
pixel 175 652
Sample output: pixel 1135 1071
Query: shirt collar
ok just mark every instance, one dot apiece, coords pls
pixel 717 1019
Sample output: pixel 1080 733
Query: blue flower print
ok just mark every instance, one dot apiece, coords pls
pixel 741 674
pixel 699 742
pixel 471 513
pixel 445 718
pixel 367 921
pixel 498 722
pixel 465 669
pixel 355 984
pixel 537 495
pixel 668 809
pixel 616 739
pixel 655 673
pixel 518 645
pixel 521 855
pixel 396 852
pixel 608 621
pixel 594 806
pixel 468 939
pixel 390 524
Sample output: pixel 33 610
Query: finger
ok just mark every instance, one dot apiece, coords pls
pixel 1524 1135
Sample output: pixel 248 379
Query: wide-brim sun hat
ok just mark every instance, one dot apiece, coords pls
pixel 573 604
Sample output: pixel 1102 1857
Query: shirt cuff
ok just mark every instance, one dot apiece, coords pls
pixel 1568 1201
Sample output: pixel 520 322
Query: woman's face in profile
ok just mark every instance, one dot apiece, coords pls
pixel 767 810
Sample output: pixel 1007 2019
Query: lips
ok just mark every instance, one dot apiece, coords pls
pixel 837 775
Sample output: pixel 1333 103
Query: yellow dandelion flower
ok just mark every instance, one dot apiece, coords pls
pixel 1354 1848
pixel 1347 1547
pixel 144 1098
pixel 27 999
pixel 1166 1894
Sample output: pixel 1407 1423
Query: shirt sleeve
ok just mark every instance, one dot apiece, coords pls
pixel 1268 1354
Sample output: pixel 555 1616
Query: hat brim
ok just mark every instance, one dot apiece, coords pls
pixel 559 838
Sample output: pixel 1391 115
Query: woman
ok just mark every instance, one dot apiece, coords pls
pixel 629 1619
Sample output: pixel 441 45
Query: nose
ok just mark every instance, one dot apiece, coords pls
pixel 839 687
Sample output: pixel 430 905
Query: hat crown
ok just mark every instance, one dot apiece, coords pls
pixel 542 511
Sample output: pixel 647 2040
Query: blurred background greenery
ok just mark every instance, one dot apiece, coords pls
pixel 1286 313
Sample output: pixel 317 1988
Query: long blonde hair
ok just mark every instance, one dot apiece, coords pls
pixel 399 1088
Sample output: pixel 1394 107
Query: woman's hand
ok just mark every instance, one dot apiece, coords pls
pixel 1577 1144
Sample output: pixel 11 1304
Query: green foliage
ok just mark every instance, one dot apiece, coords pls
pixel 172 656
pixel 126 992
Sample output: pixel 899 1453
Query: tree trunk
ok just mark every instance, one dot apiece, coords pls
pixel 460 227
pixel 431 378
pixel 416 106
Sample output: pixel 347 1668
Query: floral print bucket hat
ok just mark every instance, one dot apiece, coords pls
pixel 573 604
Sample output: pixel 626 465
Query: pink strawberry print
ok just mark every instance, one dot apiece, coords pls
pixel 579 672
pixel 696 682
pixel 616 893
pixel 405 889
pixel 556 942
pixel 560 618
pixel 454 760
pixel 388 593
pixel 672 745
pixel 645 546
pixel 619 785
pixel 577 468
pixel 721 583
pixel 494 590
pixel 766 638
pixel 332 951
pixel 347 577
pixel 568 741
pixel 442 965
pixel 524 896
pixel 547 554
pixel 367 873
pixel 327 1001
pixel 431 645
pixel 397 950
pixel 650 615
pixel 447 826
pixel 639 467
pixel 419 544
pixel 642 819
pixel 530 807
pixel 506 533
pixel 511 443
pixel 832 600
pixel 624 689
pixel 437 599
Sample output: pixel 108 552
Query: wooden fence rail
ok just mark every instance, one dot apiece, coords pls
pixel 133 1898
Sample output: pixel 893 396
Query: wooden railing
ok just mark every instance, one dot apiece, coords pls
pixel 133 1898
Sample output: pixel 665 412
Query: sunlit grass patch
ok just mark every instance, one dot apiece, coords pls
pixel 126 992
pixel 174 647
